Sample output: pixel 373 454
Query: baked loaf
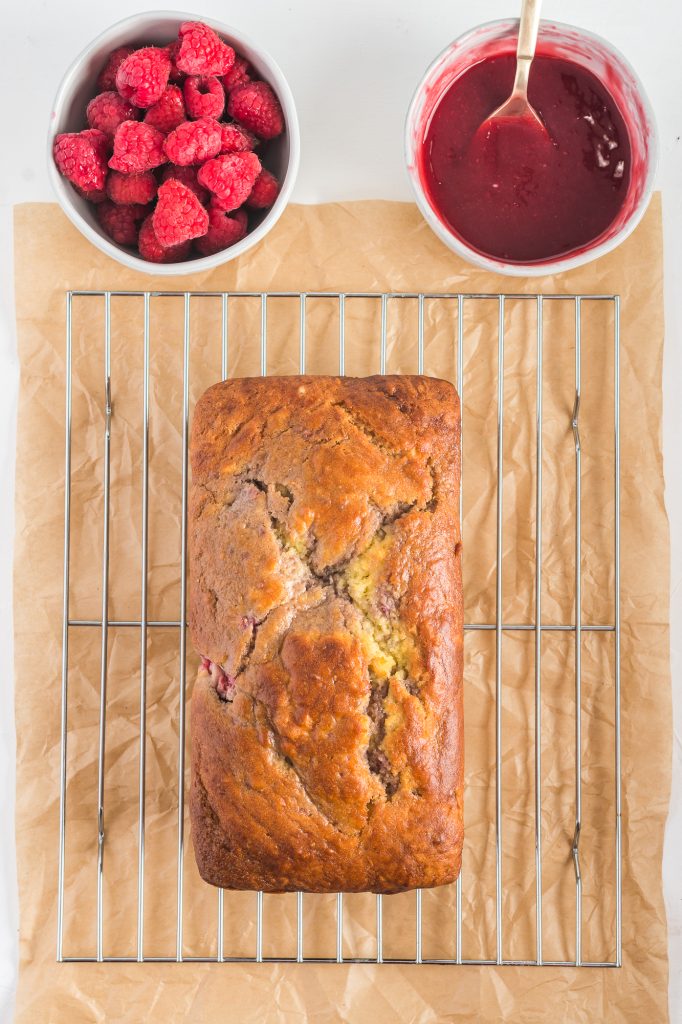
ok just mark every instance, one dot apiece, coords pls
pixel 326 603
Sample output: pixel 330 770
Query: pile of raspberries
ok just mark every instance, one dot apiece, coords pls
pixel 168 156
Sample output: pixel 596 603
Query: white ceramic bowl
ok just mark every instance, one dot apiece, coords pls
pixel 78 86
pixel 584 49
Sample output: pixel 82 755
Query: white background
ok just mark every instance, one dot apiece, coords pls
pixel 352 66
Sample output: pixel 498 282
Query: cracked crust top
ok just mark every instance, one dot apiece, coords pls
pixel 326 603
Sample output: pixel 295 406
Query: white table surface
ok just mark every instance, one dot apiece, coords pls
pixel 352 65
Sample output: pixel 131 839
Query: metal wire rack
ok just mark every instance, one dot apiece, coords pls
pixel 98 628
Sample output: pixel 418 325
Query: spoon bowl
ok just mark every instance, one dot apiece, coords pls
pixel 518 107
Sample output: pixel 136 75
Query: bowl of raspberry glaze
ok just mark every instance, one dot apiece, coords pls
pixel 534 203
pixel 77 88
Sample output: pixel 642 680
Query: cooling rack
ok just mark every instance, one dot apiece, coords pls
pixel 551 336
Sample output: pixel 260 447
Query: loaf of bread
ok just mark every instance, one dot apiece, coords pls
pixel 326 605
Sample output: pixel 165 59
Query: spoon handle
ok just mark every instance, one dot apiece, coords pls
pixel 525 47
pixel 528 29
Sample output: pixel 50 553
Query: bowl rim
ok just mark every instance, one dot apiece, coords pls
pixel 559 264
pixel 62 187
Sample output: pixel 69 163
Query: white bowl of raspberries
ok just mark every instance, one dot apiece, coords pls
pixel 173 143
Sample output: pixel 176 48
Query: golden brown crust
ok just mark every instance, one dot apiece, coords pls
pixel 325 580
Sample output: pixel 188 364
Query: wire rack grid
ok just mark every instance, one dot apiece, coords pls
pixel 100 627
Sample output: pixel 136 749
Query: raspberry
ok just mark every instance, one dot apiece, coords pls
pixel 224 229
pixel 152 250
pixel 82 158
pixel 97 195
pixel 239 74
pixel 143 76
pixel 235 139
pixel 230 177
pixel 202 52
pixel 204 96
pixel 106 79
pixel 168 111
pixel 192 142
pixel 172 51
pixel 106 111
pixel 121 222
pixel 137 147
pixel 256 107
pixel 131 188
pixel 264 191
pixel 187 176
pixel 179 215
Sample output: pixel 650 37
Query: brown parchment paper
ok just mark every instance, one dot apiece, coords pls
pixel 357 246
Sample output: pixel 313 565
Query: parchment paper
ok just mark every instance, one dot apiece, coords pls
pixel 368 246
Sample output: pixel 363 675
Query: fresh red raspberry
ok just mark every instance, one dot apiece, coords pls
pixel 172 51
pixel 224 229
pixel 152 250
pixel 82 158
pixel 122 223
pixel 192 142
pixel 106 111
pixel 179 215
pixel 106 79
pixel 98 195
pixel 204 96
pixel 202 52
pixel 264 191
pixel 187 176
pixel 131 188
pixel 240 73
pixel 104 144
pixel 143 76
pixel 235 139
pixel 137 147
pixel 256 107
pixel 230 177
pixel 168 111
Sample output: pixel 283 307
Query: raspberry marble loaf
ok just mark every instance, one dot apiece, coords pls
pixel 326 603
